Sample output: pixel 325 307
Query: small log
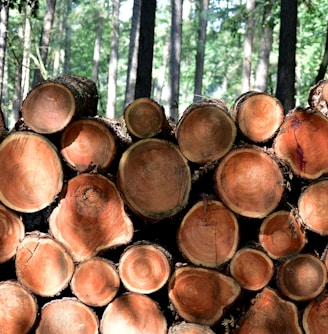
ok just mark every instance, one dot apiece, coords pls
pixel 270 314
pixel 88 143
pixel 282 235
pixel 258 115
pixel 31 174
pixel 43 265
pixel 144 267
pixel 51 105
pixel 302 278
pixel 189 328
pixel 251 268
pixel 249 181
pixel 133 313
pixel 18 308
pixel 91 217
pixel 200 295
pixel 208 234
pixel 205 132
pixel 301 143
pixel 318 97
pixel 69 316
pixel 154 179
pixel 12 231
pixel 145 118
pixel 95 282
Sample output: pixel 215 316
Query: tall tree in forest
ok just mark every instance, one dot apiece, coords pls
pixel 285 91
pixel 3 43
pixel 324 61
pixel 145 49
pixel 68 33
pixel 201 43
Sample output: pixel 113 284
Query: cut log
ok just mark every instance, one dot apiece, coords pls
pixel 282 235
pixel 18 308
pixel 145 118
pixel 200 295
pixel 31 174
pixel 69 316
pixel 313 207
pixel 208 234
pixel 144 267
pixel 301 143
pixel 251 268
pixel 95 282
pixel 91 217
pixel 205 132
pixel 133 313
pixel 249 181
pixel 88 144
pixel 302 278
pixel 50 106
pixel 189 328
pixel 270 314
pixel 43 265
pixel 12 231
pixel 154 179
pixel 318 97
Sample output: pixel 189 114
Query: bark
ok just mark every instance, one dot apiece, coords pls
pixel 68 33
pixel 188 328
pixel 318 97
pixel 314 318
pixel 3 45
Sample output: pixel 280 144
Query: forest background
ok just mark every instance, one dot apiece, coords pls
pixel 190 49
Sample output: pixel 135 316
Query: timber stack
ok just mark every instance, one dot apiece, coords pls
pixel 217 224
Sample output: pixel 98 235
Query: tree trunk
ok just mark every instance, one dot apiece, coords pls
pixel 4 11
pixel 68 33
pixel 324 62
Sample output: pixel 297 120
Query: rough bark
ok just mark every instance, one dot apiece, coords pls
pixel 318 97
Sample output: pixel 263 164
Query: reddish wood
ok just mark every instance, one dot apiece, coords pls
pixel 318 97
pixel 18 308
pixel 31 174
pixel 189 328
pixel 91 217
pixel 133 313
pixel 302 278
pixel 208 234
pixel 249 181
pixel 43 265
pixel 200 295
pixel 95 282
pixel 154 179
pixel 69 316
pixel 206 132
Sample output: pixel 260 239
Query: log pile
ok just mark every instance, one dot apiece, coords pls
pixel 214 225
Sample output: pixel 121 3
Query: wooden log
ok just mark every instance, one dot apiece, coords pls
pixel 31 174
pixel 302 278
pixel 208 234
pixel 43 265
pixel 270 314
pixel 282 235
pixel 189 328
pixel 18 308
pixel 69 316
pixel 154 179
pixel 318 97
pixel 249 181
pixel 12 231
pixel 301 143
pixel 91 217
pixel 51 105
pixel 205 132
pixel 251 268
pixel 95 282
pixel 144 267
pixel 200 295
pixel 133 313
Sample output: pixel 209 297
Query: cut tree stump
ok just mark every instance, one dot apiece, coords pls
pixel 95 282
pixel 154 179
pixel 43 265
pixel 31 173
pixel 208 234
pixel 133 313
pixel 205 132
pixel 91 217
pixel 189 328
pixel 200 295
pixel 18 308
pixel 50 106
pixel 69 316
pixel 318 97
pixel 258 115
pixel 249 181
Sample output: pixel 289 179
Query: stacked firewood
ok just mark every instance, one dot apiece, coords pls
pixel 215 224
